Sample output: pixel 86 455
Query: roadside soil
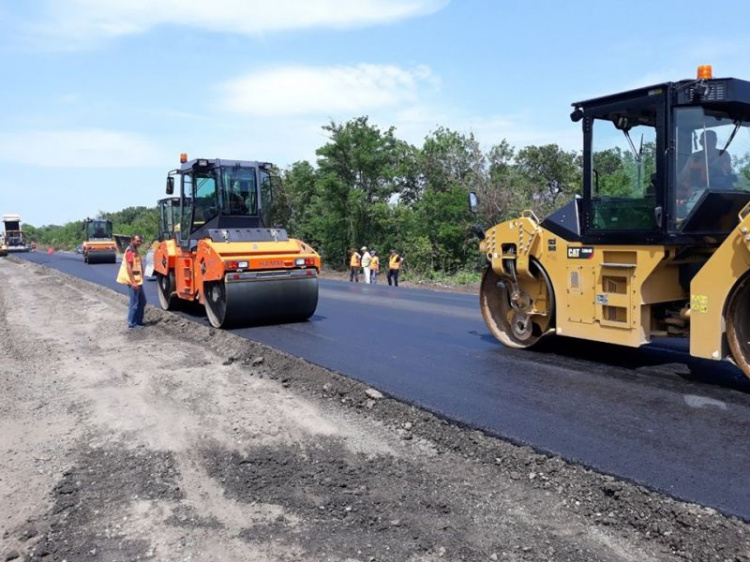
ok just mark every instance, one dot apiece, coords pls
pixel 180 442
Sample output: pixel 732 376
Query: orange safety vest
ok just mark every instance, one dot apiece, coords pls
pixel 375 263
pixel 355 260
pixel 394 262
pixel 122 275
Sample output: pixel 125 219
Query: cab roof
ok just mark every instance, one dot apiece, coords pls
pixel 690 91
pixel 218 162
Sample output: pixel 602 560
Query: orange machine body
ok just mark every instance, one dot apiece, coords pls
pixel 216 261
pixel 218 247
pixel 94 246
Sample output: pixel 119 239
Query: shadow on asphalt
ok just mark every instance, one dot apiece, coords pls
pixel 665 359
pixel 197 313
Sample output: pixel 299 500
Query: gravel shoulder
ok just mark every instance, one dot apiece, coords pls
pixel 180 442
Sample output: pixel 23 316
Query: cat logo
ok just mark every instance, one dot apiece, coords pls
pixel 580 253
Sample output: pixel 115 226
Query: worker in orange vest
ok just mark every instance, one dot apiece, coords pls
pixel 131 274
pixel 394 265
pixel 374 267
pixel 354 261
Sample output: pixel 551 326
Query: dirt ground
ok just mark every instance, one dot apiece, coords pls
pixel 180 442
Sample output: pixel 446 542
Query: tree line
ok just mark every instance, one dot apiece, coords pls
pixel 142 220
pixel 370 188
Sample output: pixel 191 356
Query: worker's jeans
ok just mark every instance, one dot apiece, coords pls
pixel 393 275
pixel 137 306
pixel 354 274
pixel 374 276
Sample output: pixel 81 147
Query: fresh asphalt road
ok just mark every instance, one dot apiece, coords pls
pixel 654 416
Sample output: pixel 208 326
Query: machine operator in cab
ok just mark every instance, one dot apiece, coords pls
pixel 706 168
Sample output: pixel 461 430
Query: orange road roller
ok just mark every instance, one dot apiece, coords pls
pixel 218 247
pixel 99 246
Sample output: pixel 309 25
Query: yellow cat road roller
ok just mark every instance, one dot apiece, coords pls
pixel 219 248
pixel 99 246
pixel 658 245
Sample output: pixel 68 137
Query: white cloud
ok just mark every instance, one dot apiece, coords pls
pixel 97 19
pixel 91 148
pixel 324 91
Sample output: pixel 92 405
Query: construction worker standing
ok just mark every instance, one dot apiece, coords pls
pixel 366 259
pixel 354 262
pixel 131 274
pixel 394 265
pixel 374 267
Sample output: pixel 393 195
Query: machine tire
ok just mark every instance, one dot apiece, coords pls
pixel 498 313
pixel 216 302
pixel 165 287
pixel 738 324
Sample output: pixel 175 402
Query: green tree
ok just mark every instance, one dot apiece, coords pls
pixel 452 165
pixel 553 176
pixel 359 170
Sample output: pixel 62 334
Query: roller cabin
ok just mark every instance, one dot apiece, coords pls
pixel 99 246
pixel 658 245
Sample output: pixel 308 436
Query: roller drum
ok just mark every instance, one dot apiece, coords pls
pixel 738 324
pixel 514 326
pixel 100 257
pixel 237 303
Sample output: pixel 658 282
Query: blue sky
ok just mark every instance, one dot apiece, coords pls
pixel 100 97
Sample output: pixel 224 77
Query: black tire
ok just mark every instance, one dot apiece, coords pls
pixel 216 303
pixel 165 287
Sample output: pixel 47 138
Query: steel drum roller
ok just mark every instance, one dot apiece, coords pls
pixel 101 257
pixel 261 301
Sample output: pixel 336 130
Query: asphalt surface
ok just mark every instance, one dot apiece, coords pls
pixel 654 416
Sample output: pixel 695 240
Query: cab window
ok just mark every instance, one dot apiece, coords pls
pixel 623 174
pixel 712 152
pixel 186 212
pixel 240 192
pixel 206 206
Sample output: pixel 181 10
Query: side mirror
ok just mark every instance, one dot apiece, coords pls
pixel 478 231
pixel 270 190
pixel 622 123
pixel 473 202
pixel 170 185
pixel 275 184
